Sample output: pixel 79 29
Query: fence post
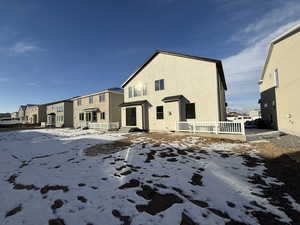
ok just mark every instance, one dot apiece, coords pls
pixel 216 127
pixel 243 128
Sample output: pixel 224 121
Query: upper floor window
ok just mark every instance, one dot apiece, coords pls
pixel 159 85
pixel 190 111
pixel 60 109
pixel 137 90
pixel 91 100
pixel 276 78
pixel 79 102
pixel 102 98
pixel 130 92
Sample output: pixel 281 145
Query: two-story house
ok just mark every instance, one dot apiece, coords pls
pixel 101 109
pixel 171 87
pixel 280 83
pixel 21 113
pixel 35 114
pixel 60 113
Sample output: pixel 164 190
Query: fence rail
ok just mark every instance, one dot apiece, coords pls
pixel 218 127
pixel 104 126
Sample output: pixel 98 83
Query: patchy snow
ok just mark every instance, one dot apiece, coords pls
pixel 210 185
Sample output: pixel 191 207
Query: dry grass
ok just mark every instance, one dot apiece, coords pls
pixel 270 151
pixel 150 138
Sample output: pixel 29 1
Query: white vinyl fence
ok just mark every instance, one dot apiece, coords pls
pixel 104 126
pixel 219 127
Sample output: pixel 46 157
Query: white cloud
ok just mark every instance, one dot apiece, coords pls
pixel 24 47
pixel 243 70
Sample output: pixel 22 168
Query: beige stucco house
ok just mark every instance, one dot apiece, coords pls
pixel 98 110
pixel 60 113
pixel 21 113
pixel 280 83
pixel 171 87
pixel 14 115
pixel 35 114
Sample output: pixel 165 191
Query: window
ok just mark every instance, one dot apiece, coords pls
pixel 102 98
pixel 81 116
pixel 88 117
pixel 144 89
pixel 276 78
pixel 91 100
pixel 60 109
pixel 130 92
pixel 102 115
pixel 190 111
pixel 160 112
pixel 137 91
pixel 78 102
pixel 94 116
pixel 159 85
pixel 62 118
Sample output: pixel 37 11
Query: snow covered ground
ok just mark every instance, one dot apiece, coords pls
pixel 47 179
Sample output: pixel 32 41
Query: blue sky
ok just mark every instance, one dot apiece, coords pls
pixel 51 50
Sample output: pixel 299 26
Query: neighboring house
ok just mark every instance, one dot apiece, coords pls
pixel 237 117
pixel 35 114
pixel 21 113
pixel 14 115
pixel 101 107
pixel 280 82
pixel 255 114
pixel 171 87
pixel 60 113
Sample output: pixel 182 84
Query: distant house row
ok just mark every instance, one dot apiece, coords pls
pixel 166 89
pixel 171 88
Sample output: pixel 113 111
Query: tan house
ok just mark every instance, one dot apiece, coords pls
pixel 171 87
pixel 280 83
pixel 60 113
pixel 35 114
pixel 14 115
pixel 99 110
pixel 21 113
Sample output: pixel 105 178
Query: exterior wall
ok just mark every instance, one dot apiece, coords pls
pixel 14 115
pixel 222 101
pixel 21 114
pixel 110 107
pixel 115 99
pixel 62 117
pixel 68 114
pixel 285 57
pixel 32 114
pixel 194 79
